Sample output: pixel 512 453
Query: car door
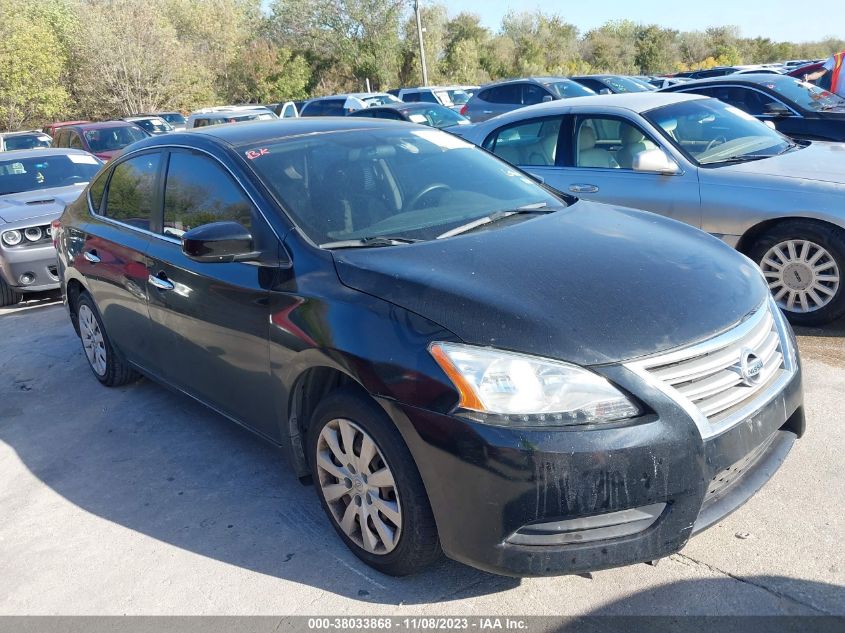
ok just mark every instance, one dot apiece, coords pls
pixel 599 167
pixel 113 260
pixel 210 321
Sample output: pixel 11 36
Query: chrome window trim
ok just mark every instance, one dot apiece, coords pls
pixel 161 148
pixel 707 428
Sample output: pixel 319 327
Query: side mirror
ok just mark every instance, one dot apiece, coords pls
pixel 655 161
pixel 547 98
pixel 219 242
pixel 776 109
pixel 605 91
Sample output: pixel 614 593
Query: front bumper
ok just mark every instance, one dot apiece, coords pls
pixel 485 483
pixel 38 261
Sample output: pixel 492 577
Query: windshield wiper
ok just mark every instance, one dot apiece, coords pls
pixel 540 207
pixel 742 158
pixel 375 240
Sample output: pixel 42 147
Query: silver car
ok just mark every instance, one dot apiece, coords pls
pixel 35 186
pixel 505 96
pixel 702 162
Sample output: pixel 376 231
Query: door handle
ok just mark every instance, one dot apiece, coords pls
pixel 91 256
pixel 162 283
pixel 583 188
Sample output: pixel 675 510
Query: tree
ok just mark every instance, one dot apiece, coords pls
pixel 31 66
pixel 263 73
pixel 655 49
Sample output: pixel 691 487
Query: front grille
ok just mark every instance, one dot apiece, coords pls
pixel 714 375
pixel 730 475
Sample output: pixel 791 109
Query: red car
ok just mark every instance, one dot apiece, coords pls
pixel 799 72
pixel 105 139
pixel 53 127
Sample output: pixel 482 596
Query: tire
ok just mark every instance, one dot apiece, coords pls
pixel 409 543
pixel 8 296
pixel 807 284
pixel 108 366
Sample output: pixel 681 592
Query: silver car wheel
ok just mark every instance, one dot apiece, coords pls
pixel 358 486
pixel 802 275
pixel 92 340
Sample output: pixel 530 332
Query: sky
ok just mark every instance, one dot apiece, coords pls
pixel 779 20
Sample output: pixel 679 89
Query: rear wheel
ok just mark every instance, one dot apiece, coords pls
pixel 8 296
pixel 803 264
pixel 369 485
pixel 108 366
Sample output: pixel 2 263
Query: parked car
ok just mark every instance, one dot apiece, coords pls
pixel 757 70
pixel 801 72
pixel 341 105
pixel 665 82
pixel 228 114
pixel 53 127
pixel 504 96
pixel 151 124
pixel 286 110
pixel 796 108
pixel 458 357
pixel 176 119
pixel 610 84
pixel 25 139
pixel 35 186
pixel 450 96
pixel 105 139
pixel 703 162
pixel 431 114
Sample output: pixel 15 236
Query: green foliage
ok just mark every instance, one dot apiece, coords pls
pixel 105 58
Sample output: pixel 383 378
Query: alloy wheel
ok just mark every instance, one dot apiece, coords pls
pixel 358 486
pixel 803 276
pixel 92 340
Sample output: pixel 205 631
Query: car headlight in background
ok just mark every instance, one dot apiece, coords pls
pixel 33 233
pixel 12 238
pixel 527 390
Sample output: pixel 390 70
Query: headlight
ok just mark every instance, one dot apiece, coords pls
pixel 527 390
pixel 33 233
pixel 12 238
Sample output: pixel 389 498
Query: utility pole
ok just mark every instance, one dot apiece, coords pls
pixel 422 47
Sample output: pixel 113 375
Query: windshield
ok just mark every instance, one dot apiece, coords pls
pixel 174 118
pixel 154 126
pixel 436 116
pixel 27 141
pixel 567 88
pixel 458 97
pixel 624 84
pixel 46 172
pixel 410 183
pixel 711 132
pixel 806 95
pixel 113 138
pixel 378 100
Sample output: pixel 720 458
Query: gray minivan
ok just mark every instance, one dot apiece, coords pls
pixel 504 96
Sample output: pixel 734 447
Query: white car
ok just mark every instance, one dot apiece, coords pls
pixel 703 162
pixel 228 114
pixel 341 105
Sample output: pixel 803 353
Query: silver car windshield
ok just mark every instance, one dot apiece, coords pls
pixel 413 184
pixel 45 172
pixel 711 132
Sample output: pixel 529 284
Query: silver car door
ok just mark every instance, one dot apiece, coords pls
pixel 595 162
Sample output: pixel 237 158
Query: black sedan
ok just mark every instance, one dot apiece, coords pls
pixel 431 114
pixel 796 108
pixel 460 359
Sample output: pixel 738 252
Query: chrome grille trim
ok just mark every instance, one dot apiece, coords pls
pixel 705 378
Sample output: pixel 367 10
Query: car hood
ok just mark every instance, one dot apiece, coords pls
pixel 591 284
pixel 820 160
pixel 15 207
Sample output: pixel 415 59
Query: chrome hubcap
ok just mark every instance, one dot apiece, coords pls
pixel 358 486
pixel 802 275
pixel 92 340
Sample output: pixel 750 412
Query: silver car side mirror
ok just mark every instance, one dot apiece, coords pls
pixel 655 161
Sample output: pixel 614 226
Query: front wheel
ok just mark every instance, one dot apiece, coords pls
pixel 369 486
pixel 8 296
pixel 802 263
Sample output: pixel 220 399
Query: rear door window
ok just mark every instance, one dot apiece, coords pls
pixel 132 191
pixel 532 93
pixel 529 143
pixel 511 93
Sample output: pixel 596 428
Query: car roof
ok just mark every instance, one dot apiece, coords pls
pixel 256 132
pixel 40 152
pixel 747 78
pixel 544 79
pixel 101 125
